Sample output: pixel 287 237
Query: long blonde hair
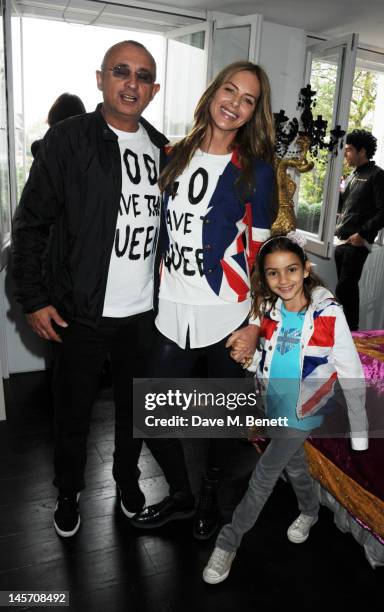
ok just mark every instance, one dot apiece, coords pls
pixel 255 139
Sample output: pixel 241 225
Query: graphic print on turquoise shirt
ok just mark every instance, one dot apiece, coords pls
pixel 285 374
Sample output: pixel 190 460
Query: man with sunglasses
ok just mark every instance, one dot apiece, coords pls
pixel 85 241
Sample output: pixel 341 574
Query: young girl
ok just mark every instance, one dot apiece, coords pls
pixel 305 345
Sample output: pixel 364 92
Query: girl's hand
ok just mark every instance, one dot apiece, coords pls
pixel 243 343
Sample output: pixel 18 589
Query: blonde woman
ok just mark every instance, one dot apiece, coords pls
pixel 219 201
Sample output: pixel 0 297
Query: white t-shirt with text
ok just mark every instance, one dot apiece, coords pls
pixel 129 288
pixel 187 303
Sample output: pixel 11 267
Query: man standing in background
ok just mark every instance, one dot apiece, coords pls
pixel 361 218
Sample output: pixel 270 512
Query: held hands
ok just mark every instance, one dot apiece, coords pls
pixel 356 240
pixel 243 343
pixel 40 321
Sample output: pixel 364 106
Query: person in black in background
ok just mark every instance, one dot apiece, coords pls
pixel 360 220
pixel 66 105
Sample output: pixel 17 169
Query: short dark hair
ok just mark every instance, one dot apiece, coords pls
pixel 362 139
pixel 66 105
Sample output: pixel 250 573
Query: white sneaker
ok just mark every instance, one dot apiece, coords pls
pixel 298 532
pixel 218 566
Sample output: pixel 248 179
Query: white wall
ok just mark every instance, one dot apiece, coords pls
pixel 282 54
pixel 21 349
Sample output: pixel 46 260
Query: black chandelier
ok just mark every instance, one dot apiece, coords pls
pixel 314 130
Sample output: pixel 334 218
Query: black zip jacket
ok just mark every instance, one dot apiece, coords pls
pixel 64 226
pixel 362 204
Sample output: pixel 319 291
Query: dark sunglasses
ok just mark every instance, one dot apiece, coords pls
pixel 123 71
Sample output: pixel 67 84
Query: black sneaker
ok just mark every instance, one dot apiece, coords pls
pixel 66 518
pixel 131 504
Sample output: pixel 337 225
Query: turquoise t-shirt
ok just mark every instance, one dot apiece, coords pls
pixel 285 374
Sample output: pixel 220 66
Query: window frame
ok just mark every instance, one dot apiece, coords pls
pixel 5 234
pixel 322 244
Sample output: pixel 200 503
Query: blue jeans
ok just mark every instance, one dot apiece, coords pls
pixel 283 453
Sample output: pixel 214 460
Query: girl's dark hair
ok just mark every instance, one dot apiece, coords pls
pixel 263 297
pixel 66 105
pixel 255 139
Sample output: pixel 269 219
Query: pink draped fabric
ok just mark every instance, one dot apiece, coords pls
pixel 366 468
pixel 370 345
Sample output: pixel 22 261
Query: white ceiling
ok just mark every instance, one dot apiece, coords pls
pixel 330 17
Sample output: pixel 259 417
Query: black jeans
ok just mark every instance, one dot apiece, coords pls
pixel 169 360
pixel 350 261
pixel 78 361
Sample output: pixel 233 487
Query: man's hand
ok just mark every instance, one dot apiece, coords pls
pixel 243 343
pixel 40 321
pixel 356 240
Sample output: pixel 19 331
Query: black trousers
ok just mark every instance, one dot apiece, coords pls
pixel 169 360
pixel 78 362
pixel 77 365
pixel 350 261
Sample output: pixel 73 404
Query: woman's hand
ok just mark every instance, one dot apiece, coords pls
pixel 243 343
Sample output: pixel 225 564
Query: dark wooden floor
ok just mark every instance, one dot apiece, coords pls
pixel 110 567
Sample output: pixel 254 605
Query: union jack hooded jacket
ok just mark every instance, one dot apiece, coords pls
pixel 327 354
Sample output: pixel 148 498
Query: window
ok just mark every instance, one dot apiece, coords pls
pixel 312 189
pixel 187 55
pixel 18 105
pixel 330 70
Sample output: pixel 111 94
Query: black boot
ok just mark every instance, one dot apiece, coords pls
pixel 207 515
